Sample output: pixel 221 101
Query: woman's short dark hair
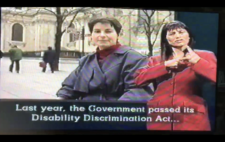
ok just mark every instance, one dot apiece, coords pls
pixel 166 48
pixel 113 22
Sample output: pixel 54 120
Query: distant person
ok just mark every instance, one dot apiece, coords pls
pixel 49 58
pixel 15 55
pixel 1 54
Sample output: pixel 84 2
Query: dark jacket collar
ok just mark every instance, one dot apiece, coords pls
pixel 121 50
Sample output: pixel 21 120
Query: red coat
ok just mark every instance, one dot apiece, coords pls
pixel 179 88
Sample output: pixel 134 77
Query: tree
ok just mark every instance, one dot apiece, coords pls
pixel 60 15
pixel 150 26
pixel 60 18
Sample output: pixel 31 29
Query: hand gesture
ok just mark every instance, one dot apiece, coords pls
pixel 174 62
pixel 191 56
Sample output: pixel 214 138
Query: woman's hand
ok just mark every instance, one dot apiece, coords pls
pixel 174 62
pixel 191 56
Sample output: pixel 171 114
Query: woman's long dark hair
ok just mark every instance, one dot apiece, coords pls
pixel 166 48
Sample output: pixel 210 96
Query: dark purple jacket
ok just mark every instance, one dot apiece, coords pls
pixel 114 81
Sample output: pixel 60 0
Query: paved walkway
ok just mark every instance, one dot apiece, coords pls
pixel 31 82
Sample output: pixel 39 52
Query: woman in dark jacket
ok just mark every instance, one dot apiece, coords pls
pixel 179 74
pixel 106 74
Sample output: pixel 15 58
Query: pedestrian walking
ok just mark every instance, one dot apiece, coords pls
pixel 1 54
pixel 49 58
pixel 16 55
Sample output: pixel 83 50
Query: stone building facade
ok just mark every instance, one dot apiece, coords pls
pixel 34 29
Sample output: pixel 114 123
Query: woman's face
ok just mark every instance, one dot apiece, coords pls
pixel 104 35
pixel 178 38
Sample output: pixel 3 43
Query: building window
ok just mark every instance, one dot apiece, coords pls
pixel 17 32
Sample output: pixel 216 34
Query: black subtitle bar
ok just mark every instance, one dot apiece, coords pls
pixel 71 115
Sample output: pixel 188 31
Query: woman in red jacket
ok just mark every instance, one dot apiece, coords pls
pixel 178 74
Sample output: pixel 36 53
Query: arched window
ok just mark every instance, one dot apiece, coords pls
pixel 17 32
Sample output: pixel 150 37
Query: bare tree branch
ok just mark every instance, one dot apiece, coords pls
pixel 146 13
pixel 27 12
pixel 150 19
pixel 150 26
pixel 66 15
pixel 75 11
pixel 170 13
pixel 146 29
pixel 154 40
pixel 159 26
pixel 50 11
pixel 21 13
pixel 36 12
pixel 149 16
pixel 147 21
pixel 71 22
